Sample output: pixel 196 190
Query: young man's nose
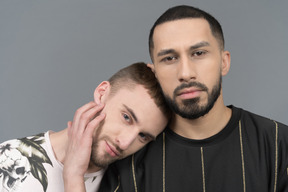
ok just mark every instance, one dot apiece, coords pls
pixel 126 138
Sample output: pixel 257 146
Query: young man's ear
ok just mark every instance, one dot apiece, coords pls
pixel 152 67
pixel 225 62
pixel 101 92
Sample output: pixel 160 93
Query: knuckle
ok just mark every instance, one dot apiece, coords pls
pixel 84 116
pixel 90 125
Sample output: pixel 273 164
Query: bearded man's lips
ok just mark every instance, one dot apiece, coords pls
pixel 189 93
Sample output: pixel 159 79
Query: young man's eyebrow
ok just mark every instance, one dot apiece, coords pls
pixel 131 112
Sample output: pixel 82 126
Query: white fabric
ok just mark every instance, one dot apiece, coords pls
pixel 23 163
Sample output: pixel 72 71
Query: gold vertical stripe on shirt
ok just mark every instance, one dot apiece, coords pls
pixel 133 171
pixel 242 157
pixel 276 155
pixel 203 170
pixel 164 162
pixel 118 184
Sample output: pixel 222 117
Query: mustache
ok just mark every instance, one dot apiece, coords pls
pixel 117 148
pixel 120 151
pixel 191 84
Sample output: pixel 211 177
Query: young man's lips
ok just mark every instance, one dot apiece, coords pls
pixel 111 150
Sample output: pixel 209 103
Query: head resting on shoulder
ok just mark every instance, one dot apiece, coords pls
pixel 139 74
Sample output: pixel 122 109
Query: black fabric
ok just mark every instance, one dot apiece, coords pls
pixel 253 147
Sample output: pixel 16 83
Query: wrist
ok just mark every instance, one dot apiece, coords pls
pixel 74 183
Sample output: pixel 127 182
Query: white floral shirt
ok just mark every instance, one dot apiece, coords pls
pixel 29 164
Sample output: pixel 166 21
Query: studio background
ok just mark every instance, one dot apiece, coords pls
pixel 53 54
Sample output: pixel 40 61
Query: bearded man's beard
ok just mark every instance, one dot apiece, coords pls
pixel 190 108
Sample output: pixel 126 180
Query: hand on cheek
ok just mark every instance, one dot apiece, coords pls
pixel 80 138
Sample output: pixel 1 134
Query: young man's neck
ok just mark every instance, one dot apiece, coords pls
pixel 204 127
pixel 92 168
pixel 59 141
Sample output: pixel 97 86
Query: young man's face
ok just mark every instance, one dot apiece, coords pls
pixel 132 120
pixel 189 64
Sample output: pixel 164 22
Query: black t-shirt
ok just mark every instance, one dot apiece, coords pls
pixel 249 155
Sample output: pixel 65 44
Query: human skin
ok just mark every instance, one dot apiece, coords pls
pixel 184 51
pixel 126 129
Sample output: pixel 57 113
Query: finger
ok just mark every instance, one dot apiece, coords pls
pixel 69 124
pixel 78 114
pixel 88 116
pixel 93 125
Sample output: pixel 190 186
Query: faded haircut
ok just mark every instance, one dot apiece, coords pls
pixel 186 12
pixel 139 74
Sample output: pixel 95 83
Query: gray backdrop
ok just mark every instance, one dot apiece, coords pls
pixel 54 53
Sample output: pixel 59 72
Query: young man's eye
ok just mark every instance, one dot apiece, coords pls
pixel 143 138
pixel 127 118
